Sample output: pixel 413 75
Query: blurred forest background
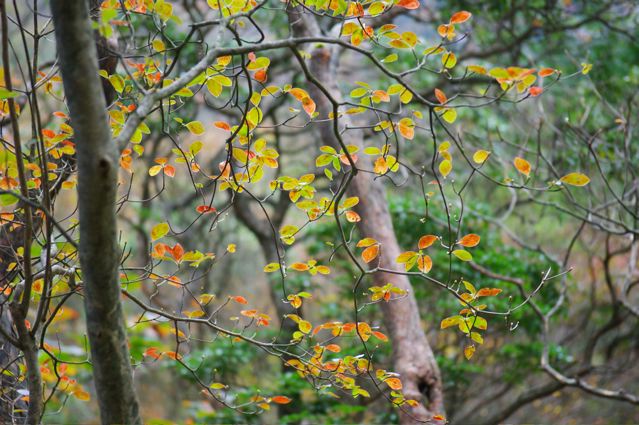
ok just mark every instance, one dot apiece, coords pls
pixel 584 323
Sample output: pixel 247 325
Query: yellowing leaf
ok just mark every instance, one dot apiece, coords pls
pixel 366 242
pixel 449 115
pixel 445 167
pixel 305 326
pixel 269 268
pixel 575 179
pixel 450 321
pixel 195 127
pixel 449 60
pixel 82 395
pixel 463 255
pixel 481 156
pixel 522 166
pixel 159 230
pixel 217 386
pixel 469 351
pixel 117 82
pixel 585 68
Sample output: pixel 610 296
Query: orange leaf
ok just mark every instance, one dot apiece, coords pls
pixel 333 348
pixel 173 355
pixel 239 299
pixel 222 125
pixel 535 91
pixel 522 166
pixel 82 395
pixel 300 267
pixel 469 240
pixel 408 4
pixel 426 241
pixel 280 399
pixel 424 263
pixel 370 253
pixel 152 352
pixel 394 383
pixel 440 96
pixel 177 251
pixel 380 336
pixel 308 105
pixel 260 76
pixel 406 129
pixel 460 17
pixel 488 292
pixel 544 72
pixel 352 217
pixel 248 313
pixel 169 170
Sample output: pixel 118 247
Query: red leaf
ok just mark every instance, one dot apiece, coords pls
pixel 205 209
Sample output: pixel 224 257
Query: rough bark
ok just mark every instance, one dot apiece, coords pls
pixel 97 184
pixel 413 357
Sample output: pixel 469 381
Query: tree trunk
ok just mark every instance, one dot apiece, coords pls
pixel 413 357
pixel 97 161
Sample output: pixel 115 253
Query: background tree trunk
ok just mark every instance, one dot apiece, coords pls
pixel 413 357
pixel 97 183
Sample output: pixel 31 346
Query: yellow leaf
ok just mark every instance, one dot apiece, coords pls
pixel 445 167
pixel 481 156
pixel 195 127
pixel 159 230
pixel 469 351
pixel 576 179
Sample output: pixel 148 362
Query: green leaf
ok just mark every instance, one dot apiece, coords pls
pixel 463 255
pixel 7 199
pixel 6 94
pixel 479 323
